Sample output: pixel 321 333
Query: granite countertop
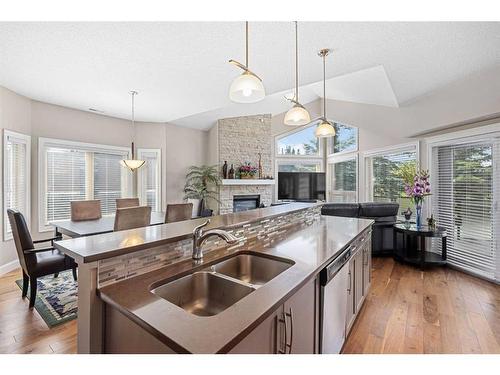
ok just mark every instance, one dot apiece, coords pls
pixel 103 246
pixel 311 248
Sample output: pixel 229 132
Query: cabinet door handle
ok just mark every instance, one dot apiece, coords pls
pixel 289 345
pixel 283 346
pixel 350 281
pixel 366 257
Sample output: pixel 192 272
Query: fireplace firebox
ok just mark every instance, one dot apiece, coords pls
pixel 245 202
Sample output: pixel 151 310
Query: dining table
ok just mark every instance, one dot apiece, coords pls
pixel 98 226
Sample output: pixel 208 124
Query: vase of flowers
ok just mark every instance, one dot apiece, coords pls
pixel 417 190
pixel 247 171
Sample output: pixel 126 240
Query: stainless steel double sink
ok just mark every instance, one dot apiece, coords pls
pixel 214 289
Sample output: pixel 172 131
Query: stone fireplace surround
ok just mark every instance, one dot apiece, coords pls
pixel 240 140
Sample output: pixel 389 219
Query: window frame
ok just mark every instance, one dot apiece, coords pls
pixel 464 137
pixel 43 143
pixel 330 140
pixel 339 158
pixel 140 177
pixel 25 139
pixel 402 147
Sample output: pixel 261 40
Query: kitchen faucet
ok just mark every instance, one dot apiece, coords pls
pixel 199 237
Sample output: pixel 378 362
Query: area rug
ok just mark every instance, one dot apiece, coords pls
pixel 56 299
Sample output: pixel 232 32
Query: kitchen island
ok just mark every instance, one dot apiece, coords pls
pixel 120 310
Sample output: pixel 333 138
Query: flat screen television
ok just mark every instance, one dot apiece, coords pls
pixel 301 186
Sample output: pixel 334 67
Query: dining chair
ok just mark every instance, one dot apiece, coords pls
pixel 132 217
pixel 38 262
pixel 85 210
pixel 178 212
pixel 127 202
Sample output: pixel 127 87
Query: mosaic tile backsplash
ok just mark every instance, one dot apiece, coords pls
pixel 262 233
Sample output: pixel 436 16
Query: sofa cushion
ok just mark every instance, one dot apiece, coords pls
pixel 340 209
pixel 378 209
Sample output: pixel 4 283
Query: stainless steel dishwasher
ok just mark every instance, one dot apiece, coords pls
pixel 334 282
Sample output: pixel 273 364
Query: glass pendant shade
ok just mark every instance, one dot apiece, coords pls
pixel 297 115
pixel 132 164
pixel 247 88
pixel 325 129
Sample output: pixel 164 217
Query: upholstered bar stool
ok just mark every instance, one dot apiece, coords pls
pixel 132 217
pixel 85 210
pixel 127 202
pixel 178 212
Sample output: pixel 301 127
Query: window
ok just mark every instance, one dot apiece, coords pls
pixel 288 165
pixel 76 171
pixel 299 143
pixel 17 171
pixel 466 180
pixel 384 174
pixel 149 178
pixel 299 151
pixel 343 174
pixel 344 140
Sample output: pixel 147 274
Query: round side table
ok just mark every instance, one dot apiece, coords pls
pixel 419 256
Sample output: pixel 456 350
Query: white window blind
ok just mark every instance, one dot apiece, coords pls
pixel 107 181
pixel 72 171
pixel 343 180
pixel 384 183
pixel 66 181
pixel 465 202
pixel 149 179
pixel 16 187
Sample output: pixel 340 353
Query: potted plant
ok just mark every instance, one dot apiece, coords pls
pixel 247 171
pixel 417 190
pixel 201 184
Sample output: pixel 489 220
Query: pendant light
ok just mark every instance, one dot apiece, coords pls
pixel 247 87
pixel 325 128
pixel 297 115
pixel 132 163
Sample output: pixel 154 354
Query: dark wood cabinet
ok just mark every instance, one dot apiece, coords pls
pixel 263 339
pixel 289 330
pixel 359 279
pixel 300 310
pixel 351 306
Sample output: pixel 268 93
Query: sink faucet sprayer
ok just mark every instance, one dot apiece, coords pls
pixel 199 237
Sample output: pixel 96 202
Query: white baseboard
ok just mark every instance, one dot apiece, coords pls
pixel 9 267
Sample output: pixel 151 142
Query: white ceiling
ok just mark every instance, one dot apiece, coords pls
pixel 181 72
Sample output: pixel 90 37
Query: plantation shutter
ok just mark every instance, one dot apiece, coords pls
pixel 16 178
pixel 66 181
pixel 107 181
pixel 465 202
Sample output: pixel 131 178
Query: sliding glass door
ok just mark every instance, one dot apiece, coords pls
pixel 465 201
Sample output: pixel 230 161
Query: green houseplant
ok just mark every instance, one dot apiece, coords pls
pixel 202 183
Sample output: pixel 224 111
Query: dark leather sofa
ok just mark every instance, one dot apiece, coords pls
pixel 384 215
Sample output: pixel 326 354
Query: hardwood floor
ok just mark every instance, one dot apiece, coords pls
pixel 23 330
pixel 407 311
pixel 436 311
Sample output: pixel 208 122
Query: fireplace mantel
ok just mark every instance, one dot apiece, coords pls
pixel 236 181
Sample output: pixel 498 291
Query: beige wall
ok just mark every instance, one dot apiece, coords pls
pixel 15 115
pixel 185 147
pixel 180 147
